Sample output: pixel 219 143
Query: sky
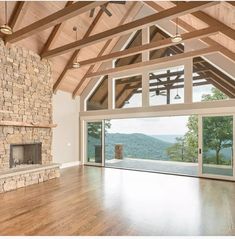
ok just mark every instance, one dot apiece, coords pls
pixel 175 125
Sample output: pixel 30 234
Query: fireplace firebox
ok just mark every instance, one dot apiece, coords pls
pixel 25 154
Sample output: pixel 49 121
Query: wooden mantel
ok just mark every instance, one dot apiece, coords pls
pixel 27 124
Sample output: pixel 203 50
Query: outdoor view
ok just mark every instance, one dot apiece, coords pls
pixel 166 144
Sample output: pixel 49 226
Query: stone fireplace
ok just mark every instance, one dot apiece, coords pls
pixel 25 119
pixel 25 154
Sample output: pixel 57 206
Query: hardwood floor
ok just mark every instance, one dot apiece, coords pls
pixel 95 201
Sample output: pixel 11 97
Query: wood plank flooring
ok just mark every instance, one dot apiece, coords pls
pixel 94 201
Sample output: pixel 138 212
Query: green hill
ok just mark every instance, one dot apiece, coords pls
pixel 137 146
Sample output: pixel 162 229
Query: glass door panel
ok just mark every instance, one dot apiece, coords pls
pixel 94 143
pixel 217 145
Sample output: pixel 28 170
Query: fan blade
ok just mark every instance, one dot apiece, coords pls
pixel 92 12
pixel 103 7
pixel 153 95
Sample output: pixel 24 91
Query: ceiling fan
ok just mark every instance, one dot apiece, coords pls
pixel 104 8
pixel 158 92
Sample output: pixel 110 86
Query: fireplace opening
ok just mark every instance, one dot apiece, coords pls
pixel 25 154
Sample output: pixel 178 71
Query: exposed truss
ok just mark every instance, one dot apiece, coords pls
pixel 72 9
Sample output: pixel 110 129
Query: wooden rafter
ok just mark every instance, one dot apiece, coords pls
pixel 122 21
pixel 73 10
pixel 54 34
pixel 183 9
pixel 223 50
pixel 171 82
pixel 228 31
pixel 224 78
pixel 176 86
pixel 16 14
pixel 151 46
pixel 75 54
pixel 232 3
pixel 89 71
pixel 215 80
pixel 142 65
pixel 202 16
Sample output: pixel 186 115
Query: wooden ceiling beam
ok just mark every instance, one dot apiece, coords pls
pixel 223 50
pixel 54 34
pixel 131 10
pixel 231 2
pixel 223 78
pixel 226 30
pixel 90 69
pixel 143 65
pixel 151 46
pixel 183 9
pixel 216 81
pixel 75 54
pixel 222 86
pixel 16 13
pixel 62 15
pixel 171 82
pixel 211 21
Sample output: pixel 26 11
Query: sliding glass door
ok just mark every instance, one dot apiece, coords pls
pixel 200 146
pixel 94 143
pixel 217 146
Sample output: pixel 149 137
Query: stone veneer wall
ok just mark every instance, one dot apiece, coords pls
pixel 25 96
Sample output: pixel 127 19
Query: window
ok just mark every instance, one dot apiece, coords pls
pixel 209 83
pixel 99 99
pixel 128 92
pixel 166 86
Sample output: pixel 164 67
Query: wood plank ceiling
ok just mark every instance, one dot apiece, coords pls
pixel 221 15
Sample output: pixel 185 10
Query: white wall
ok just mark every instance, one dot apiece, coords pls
pixel 65 146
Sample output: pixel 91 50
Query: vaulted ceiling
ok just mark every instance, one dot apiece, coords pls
pixel 55 31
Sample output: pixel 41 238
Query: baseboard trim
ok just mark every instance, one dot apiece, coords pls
pixel 70 164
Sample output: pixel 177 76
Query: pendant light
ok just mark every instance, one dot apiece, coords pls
pixel 76 64
pixel 177 38
pixel 177 97
pixel 5 29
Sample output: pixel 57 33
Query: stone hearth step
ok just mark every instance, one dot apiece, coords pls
pixel 14 178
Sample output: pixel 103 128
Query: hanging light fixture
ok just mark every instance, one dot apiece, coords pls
pixel 177 37
pixel 177 97
pixel 76 64
pixel 5 29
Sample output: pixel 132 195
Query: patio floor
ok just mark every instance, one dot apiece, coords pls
pixel 167 166
pixel 154 165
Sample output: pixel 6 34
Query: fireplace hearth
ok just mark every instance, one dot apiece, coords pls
pixel 25 154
